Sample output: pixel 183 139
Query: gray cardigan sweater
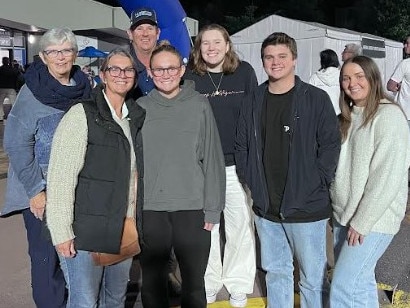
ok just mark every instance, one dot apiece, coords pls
pixel 183 159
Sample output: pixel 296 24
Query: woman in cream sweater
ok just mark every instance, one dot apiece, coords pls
pixel 369 194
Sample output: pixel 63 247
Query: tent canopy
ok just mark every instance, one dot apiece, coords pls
pixel 91 52
pixel 311 39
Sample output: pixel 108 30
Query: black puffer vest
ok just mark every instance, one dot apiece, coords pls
pixel 101 198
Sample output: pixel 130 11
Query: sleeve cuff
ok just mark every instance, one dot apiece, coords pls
pixel 212 216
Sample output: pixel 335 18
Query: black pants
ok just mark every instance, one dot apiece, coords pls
pixel 182 230
pixel 47 279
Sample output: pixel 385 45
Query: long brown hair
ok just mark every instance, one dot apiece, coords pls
pixel 197 64
pixel 373 100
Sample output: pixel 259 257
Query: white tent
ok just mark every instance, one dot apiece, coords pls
pixel 311 39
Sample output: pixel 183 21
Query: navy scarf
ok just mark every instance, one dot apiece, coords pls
pixel 49 91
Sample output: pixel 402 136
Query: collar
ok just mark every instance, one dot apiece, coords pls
pixel 124 108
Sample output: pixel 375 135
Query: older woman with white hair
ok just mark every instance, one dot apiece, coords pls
pixel 351 50
pixel 53 82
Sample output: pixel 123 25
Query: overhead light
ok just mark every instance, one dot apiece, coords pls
pixel 31 38
pixel 34 29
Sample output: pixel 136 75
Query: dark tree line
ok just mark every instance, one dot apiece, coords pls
pixel 387 18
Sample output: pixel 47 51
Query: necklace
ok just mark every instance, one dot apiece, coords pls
pixel 219 83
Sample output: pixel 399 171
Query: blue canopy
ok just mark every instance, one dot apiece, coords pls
pixel 171 20
pixel 91 52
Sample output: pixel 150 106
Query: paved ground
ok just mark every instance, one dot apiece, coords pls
pixel 15 289
pixel 394 267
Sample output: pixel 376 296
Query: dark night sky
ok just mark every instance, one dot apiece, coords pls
pixel 221 7
pixel 260 3
pixel 331 12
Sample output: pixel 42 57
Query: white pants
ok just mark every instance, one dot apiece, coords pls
pixel 6 93
pixel 239 263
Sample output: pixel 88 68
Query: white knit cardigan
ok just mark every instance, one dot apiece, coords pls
pixel 371 185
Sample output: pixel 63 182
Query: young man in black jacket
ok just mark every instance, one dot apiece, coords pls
pixel 288 145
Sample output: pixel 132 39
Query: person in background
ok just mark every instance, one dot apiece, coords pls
pixel 9 81
pixel 143 34
pixel 96 79
pixel 220 76
pixel 406 47
pixel 86 69
pixel 327 77
pixel 288 145
pixel 399 84
pixel 17 66
pixel 184 182
pixel 52 85
pixel 95 164
pixel 20 75
pixel 351 50
pixel 90 74
pixel 369 194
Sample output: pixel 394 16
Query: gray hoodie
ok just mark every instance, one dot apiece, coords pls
pixel 328 80
pixel 184 167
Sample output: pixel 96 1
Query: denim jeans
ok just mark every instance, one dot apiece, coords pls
pixel 91 286
pixel 353 282
pixel 239 259
pixel 47 279
pixel 280 242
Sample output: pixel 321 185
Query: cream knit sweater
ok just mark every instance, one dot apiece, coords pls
pixel 370 189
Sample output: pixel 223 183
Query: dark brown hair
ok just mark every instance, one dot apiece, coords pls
pixel 280 38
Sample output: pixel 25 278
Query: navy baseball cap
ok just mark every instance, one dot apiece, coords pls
pixel 143 16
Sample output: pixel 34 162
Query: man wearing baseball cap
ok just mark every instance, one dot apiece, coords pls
pixel 143 34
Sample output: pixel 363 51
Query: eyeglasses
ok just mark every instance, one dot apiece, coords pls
pixel 116 71
pixel 52 53
pixel 172 71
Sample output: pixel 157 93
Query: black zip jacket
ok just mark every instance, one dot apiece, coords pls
pixel 313 155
